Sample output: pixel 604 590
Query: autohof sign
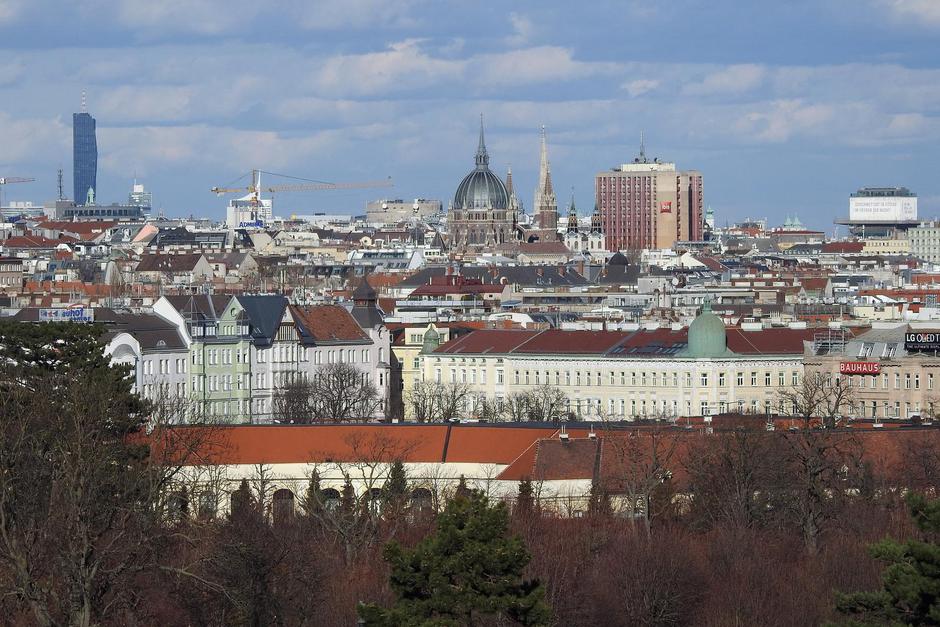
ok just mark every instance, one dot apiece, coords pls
pixel 859 367
pixel 922 341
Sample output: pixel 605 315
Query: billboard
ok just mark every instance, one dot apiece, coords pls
pixel 922 341
pixel 882 208
pixel 72 313
pixel 665 206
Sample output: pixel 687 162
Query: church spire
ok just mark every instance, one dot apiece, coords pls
pixel 482 158
pixel 572 215
pixel 545 206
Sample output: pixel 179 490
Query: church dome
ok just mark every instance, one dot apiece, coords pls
pixel 707 335
pixel 481 189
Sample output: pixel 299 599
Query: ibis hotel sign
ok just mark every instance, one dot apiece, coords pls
pixel 922 341
pixel 859 367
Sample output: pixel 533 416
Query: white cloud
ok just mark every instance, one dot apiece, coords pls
pixel 779 120
pixel 640 86
pixel 403 66
pixel 522 28
pixel 534 65
pixel 10 10
pixel 734 79
pixel 924 12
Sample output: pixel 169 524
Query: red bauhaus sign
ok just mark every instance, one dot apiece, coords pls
pixel 859 367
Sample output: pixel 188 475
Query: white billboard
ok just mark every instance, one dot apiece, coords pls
pixel 72 313
pixel 883 208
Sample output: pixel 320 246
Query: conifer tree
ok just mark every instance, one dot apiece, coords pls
pixel 910 592
pixel 395 490
pixel 525 501
pixel 469 568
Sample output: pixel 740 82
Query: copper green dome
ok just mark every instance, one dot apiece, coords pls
pixel 707 335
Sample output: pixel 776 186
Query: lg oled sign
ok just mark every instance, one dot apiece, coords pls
pixel 926 341
pixel 859 367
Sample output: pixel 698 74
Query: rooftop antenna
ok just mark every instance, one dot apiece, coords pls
pixel 642 149
pixel 61 187
pixel 84 102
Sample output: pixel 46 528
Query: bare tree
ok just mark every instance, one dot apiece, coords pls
pixel 293 402
pixel 637 465
pixel 545 403
pixel 818 397
pixel 437 402
pixel 342 393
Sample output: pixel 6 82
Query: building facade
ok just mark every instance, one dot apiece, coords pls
pixel 387 212
pixel 625 375
pixel 84 158
pixel 894 372
pixel 649 204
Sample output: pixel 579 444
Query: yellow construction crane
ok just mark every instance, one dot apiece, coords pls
pixel 308 185
pixel 6 180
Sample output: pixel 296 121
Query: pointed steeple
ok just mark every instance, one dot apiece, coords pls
pixel 572 215
pixel 596 220
pixel 514 205
pixel 545 206
pixel 482 158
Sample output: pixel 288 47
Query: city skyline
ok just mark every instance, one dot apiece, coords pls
pixel 395 89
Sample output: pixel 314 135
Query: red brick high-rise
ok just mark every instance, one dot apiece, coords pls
pixel 649 204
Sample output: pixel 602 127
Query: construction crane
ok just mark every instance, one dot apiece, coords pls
pixel 6 180
pixel 308 185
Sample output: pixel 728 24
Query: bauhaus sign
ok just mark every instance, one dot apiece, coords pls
pixel 859 367
pixel 924 341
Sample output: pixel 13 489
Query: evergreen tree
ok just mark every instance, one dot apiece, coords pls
pixel 395 490
pixel 312 502
pixel 910 593
pixel 469 568
pixel 525 501
pixel 462 491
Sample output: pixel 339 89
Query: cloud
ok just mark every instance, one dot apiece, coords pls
pixel 734 79
pixel 640 86
pixel 522 28
pixel 403 66
pixel 10 10
pixel 778 121
pixel 534 65
pixel 924 12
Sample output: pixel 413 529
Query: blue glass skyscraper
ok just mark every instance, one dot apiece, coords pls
pixel 84 157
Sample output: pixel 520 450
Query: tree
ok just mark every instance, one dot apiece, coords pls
pixel 525 501
pixel 818 397
pixel 469 568
pixel 910 592
pixel 431 401
pixel 341 393
pixel 293 402
pixel 395 491
pixel 545 403
pixel 82 507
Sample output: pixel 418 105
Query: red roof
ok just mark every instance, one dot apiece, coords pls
pixel 328 323
pixel 770 341
pixel 35 241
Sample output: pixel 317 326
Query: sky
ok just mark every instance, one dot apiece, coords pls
pixel 785 107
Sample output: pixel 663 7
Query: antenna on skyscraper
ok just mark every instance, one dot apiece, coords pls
pixel 84 103
pixel 642 149
pixel 61 189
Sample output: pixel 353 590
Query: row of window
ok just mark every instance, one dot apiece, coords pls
pixel 623 378
pixel 285 353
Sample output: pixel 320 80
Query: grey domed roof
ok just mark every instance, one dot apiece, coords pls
pixel 618 259
pixel 481 189
pixel 707 335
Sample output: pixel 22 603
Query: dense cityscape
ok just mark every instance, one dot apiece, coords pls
pixel 508 405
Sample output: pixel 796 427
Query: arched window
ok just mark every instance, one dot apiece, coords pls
pixel 421 499
pixel 283 508
pixel 330 498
